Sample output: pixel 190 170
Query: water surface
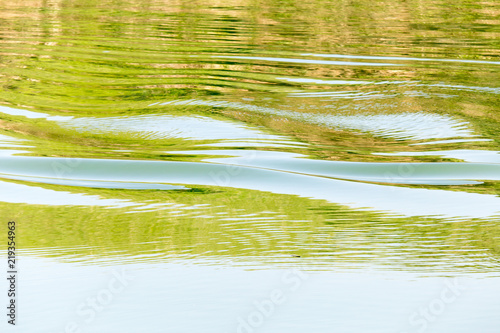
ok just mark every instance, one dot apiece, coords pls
pixel 265 166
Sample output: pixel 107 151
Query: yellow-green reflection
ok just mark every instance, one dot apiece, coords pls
pixel 248 226
pixel 161 81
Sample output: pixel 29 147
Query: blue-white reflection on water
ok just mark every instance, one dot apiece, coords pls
pixel 184 296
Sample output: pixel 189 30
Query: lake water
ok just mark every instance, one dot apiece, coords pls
pixel 251 166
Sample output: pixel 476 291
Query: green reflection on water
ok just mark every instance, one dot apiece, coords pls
pixel 117 58
pixel 242 225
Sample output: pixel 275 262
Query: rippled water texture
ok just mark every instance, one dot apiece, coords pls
pixel 252 166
